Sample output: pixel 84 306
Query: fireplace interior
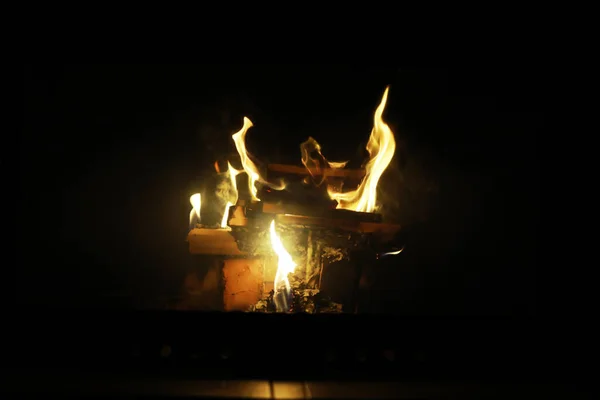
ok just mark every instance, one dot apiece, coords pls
pixel 333 249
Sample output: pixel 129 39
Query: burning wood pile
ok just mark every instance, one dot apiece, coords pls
pixel 303 237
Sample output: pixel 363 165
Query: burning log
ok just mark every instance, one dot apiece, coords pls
pixel 218 242
pixel 325 250
pixel 326 221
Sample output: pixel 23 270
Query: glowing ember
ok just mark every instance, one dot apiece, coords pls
pixel 196 202
pixel 285 266
pixel 381 148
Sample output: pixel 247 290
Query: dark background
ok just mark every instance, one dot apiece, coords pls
pixel 111 153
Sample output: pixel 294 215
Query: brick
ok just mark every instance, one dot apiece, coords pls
pixel 243 283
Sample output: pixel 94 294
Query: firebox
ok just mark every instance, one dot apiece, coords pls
pixel 305 236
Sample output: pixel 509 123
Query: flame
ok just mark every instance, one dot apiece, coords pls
pixel 239 138
pixel 234 194
pixel 381 148
pixel 285 265
pixel 392 253
pixel 232 176
pixel 195 201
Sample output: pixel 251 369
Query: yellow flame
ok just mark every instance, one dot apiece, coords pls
pixel 337 165
pixel 381 148
pixel 233 173
pixel 285 264
pixel 196 202
pixel 393 253
pixel 226 215
pixel 239 138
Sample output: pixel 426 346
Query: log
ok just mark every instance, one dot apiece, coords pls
pixel 348 224
pixel 301 170
pixel 213 242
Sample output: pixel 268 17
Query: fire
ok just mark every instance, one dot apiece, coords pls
pixel 232 176
pixel 233 173
pixel 315 162
pixel 226 215
pixel 195 201
pixel 239 138
pixel 381 148
pixel 285 266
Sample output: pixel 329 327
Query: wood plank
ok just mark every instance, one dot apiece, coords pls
pixel 243 283
pixel 301 170
pixel 212 241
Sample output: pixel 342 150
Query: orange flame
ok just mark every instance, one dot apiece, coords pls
pixel 381 148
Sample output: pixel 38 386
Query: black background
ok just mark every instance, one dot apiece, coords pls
pixel 111 153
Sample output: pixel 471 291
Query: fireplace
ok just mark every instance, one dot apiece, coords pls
pixel 299 238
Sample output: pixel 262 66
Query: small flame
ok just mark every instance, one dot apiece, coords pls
pixel 233 193
pixel 195 201
pixel 337 165
pixel 285 266
pixel 226 215
pixel 381 148
pixel 232 176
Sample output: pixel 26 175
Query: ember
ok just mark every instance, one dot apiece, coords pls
pixel 299 245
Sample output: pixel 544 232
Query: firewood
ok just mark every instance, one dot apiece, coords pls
pixel 212 241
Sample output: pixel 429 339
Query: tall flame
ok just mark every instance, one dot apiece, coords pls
pixel 381 148
pixel 285 266
pixel 196 202
pixel 239 138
